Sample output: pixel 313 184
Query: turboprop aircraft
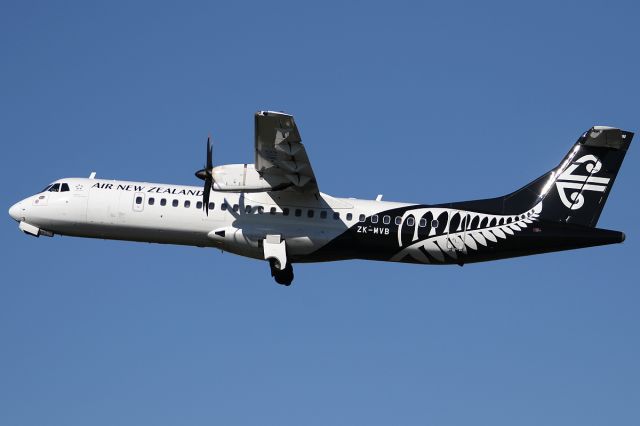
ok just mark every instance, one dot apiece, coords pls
pixel 273 210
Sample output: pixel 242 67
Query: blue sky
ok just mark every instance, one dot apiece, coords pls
pixel 420 102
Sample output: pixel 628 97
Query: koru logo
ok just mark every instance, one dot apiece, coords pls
pixel 568 181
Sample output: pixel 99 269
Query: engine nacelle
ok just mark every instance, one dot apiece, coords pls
pixel 245 178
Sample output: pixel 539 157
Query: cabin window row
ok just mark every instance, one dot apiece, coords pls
pixel 247 209
pixel 286 211
pixel 386 220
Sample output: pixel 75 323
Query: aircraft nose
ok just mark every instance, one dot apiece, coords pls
pixel 14 211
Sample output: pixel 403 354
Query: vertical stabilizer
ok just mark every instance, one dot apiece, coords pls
pixel 576 191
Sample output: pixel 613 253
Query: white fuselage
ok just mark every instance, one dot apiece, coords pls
pixel 173 214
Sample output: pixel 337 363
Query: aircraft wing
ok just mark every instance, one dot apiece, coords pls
pixel 280 154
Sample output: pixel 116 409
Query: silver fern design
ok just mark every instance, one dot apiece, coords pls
pixel 440 233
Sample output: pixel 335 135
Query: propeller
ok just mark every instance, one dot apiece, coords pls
pixel 206 175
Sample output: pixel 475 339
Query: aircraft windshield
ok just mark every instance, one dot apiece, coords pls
pixel 56 187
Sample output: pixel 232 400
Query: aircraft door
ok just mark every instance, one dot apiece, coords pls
pixel 138 201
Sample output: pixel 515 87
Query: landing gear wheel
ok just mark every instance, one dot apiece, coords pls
pixel 285 276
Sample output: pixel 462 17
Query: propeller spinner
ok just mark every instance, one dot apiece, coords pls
pixel 206 175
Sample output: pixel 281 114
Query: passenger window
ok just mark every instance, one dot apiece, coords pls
pixel 64 188
pixel 151 200
pixel 423 223
pixel 247 209
pixel 224 206
pixel 55 188
pixel 260 209
pixel 374 218
pixel 434 223
pixel 298 212
pixel 349 216
pixel 285 211
pixel 336 215
pixel 323 214
pixel 175 203
pixel 212 206
pixel 163 202
pixel 272 210
pixel 410 221
pixel 386 219
pixel 398 220
pixel 199 205
pixel 138 200
pixel 236 208
pixel 187 203
pixel 310 213
pixel 361 218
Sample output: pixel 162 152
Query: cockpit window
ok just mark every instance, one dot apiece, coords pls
pixel 55 188
pixel 46 188
pixel 64 187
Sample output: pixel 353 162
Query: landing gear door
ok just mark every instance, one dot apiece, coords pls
pixel 275 250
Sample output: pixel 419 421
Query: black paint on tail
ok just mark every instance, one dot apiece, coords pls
pixel 576 190
pixel 579 187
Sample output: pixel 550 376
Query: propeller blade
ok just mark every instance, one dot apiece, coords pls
pixel 205 195
pixel 209 154
pixel 206 175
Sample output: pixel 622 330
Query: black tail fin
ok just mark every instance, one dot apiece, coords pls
pixel 574 192
pixel 577 189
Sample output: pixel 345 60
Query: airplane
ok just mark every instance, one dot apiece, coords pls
pixel 273 210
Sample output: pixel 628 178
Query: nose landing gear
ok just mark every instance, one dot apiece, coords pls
pixel 284 276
